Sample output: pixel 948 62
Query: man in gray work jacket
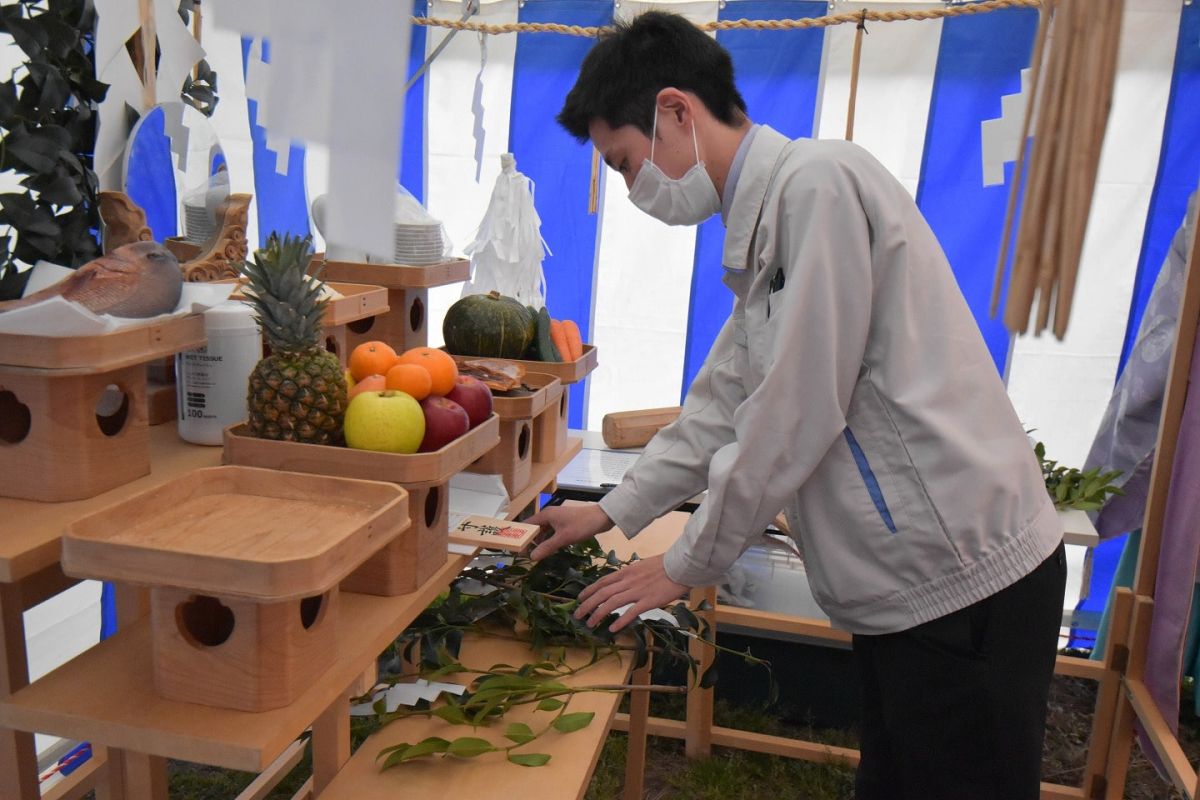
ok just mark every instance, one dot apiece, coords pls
pixel 851 388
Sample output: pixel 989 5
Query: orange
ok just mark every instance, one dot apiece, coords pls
pixel 438 363
pixel 371 383
pixel 412 379
pixel 371 358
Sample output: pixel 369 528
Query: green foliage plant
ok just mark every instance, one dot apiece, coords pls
pixel 1071 488
pixel 48 120
pixel 533 602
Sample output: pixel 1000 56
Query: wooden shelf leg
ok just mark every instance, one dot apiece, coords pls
pixel 134 776
pixel 698 743
pixel 1121 746
pixel 330 744
pixel 18 759
pixel 1116 656
pixel 639 712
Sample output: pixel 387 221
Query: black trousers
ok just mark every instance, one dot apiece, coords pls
pixel 955 709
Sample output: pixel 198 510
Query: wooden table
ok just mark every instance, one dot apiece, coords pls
pixel 105 695
pixel 573 756
pixel 30 547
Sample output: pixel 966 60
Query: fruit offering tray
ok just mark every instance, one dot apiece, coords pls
pixel 239 531
pixel 395 276
pixel 358 301
pixel 103 352
pixel 530 399
pixel 411 470
pixel 567 372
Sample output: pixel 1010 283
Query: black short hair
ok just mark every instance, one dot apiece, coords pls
pixel 633 61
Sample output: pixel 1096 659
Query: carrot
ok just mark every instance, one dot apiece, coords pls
pixel 574 340
pixel 558 335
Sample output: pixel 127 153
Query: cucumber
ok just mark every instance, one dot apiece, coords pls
pixel 546 351
pixel 531 352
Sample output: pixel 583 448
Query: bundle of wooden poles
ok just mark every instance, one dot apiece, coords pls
pixel 1073 71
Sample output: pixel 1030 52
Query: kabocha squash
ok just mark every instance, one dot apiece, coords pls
pixel 488 325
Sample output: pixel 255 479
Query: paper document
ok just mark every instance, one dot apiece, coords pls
pixel 593 469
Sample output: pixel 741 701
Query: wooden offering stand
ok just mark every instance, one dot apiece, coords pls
pixel 358 303
pixel 406 324
pixel 58 441
pixel 406 563
pixel 243 566
pixel 513 458
pixel 550 424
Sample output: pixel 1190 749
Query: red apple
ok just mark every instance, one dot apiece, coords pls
pixel 474 396
pixel 445 421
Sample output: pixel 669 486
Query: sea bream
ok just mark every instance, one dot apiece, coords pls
pixel 137 280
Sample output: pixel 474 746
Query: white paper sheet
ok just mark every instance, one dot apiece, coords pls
pixel 405 694
pixel 178 51
pixel 596 469
pixel 59 317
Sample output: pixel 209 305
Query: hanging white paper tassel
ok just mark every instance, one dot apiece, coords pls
pixel 506 255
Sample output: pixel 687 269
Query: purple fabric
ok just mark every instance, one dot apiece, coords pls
pixel 1177 561
pixel 1129 430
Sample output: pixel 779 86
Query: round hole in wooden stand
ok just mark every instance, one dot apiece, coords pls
pixel 310 610
pixel 15 420
pixel 416 315
pixel 204 621
pixel 331 345
pixel 523 442
pixel 433 502
pixel 361 326
pixel 112 410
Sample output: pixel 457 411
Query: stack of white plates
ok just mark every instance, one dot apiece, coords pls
pixel 419 245
pixel 198 224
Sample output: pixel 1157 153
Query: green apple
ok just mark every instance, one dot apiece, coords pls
pixel 388 421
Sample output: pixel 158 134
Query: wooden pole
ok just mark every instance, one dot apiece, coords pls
pixel 197 32
pixel 1168 429
pixel 1093 121
pixel 855 61
pixel 1108 693
pixel 698 741
pixel 1146 573
pixel 594 183
pixel 639 714
pixel 1121 744
pixel 149 43
pixel 1014 191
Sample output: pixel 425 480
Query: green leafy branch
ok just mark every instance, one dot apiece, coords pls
pixel 1071 488
pixel 493 698
pixel 534 602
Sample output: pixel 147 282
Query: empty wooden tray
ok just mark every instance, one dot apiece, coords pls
pixel 239 531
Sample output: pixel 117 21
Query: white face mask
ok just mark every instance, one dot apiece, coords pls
pixel 676 201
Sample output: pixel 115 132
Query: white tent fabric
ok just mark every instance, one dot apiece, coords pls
pixel 1059 388
pixel 641 276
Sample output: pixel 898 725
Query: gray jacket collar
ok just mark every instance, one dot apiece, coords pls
pixel 749 195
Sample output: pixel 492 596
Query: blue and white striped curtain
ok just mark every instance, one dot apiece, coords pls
pixel 650 297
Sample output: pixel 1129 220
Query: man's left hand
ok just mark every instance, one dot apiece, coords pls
pixel 643 583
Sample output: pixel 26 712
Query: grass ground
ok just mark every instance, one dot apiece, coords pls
pixel 739 775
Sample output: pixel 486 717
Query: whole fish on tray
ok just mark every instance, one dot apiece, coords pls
pixel 137 280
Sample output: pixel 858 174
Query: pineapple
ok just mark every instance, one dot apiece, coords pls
pixel 298 392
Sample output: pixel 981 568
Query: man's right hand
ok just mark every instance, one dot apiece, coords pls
pixel 569 524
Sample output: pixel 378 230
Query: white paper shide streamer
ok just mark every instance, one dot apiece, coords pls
pixel 507 253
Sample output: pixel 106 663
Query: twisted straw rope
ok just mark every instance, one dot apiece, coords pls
pixel 741 24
